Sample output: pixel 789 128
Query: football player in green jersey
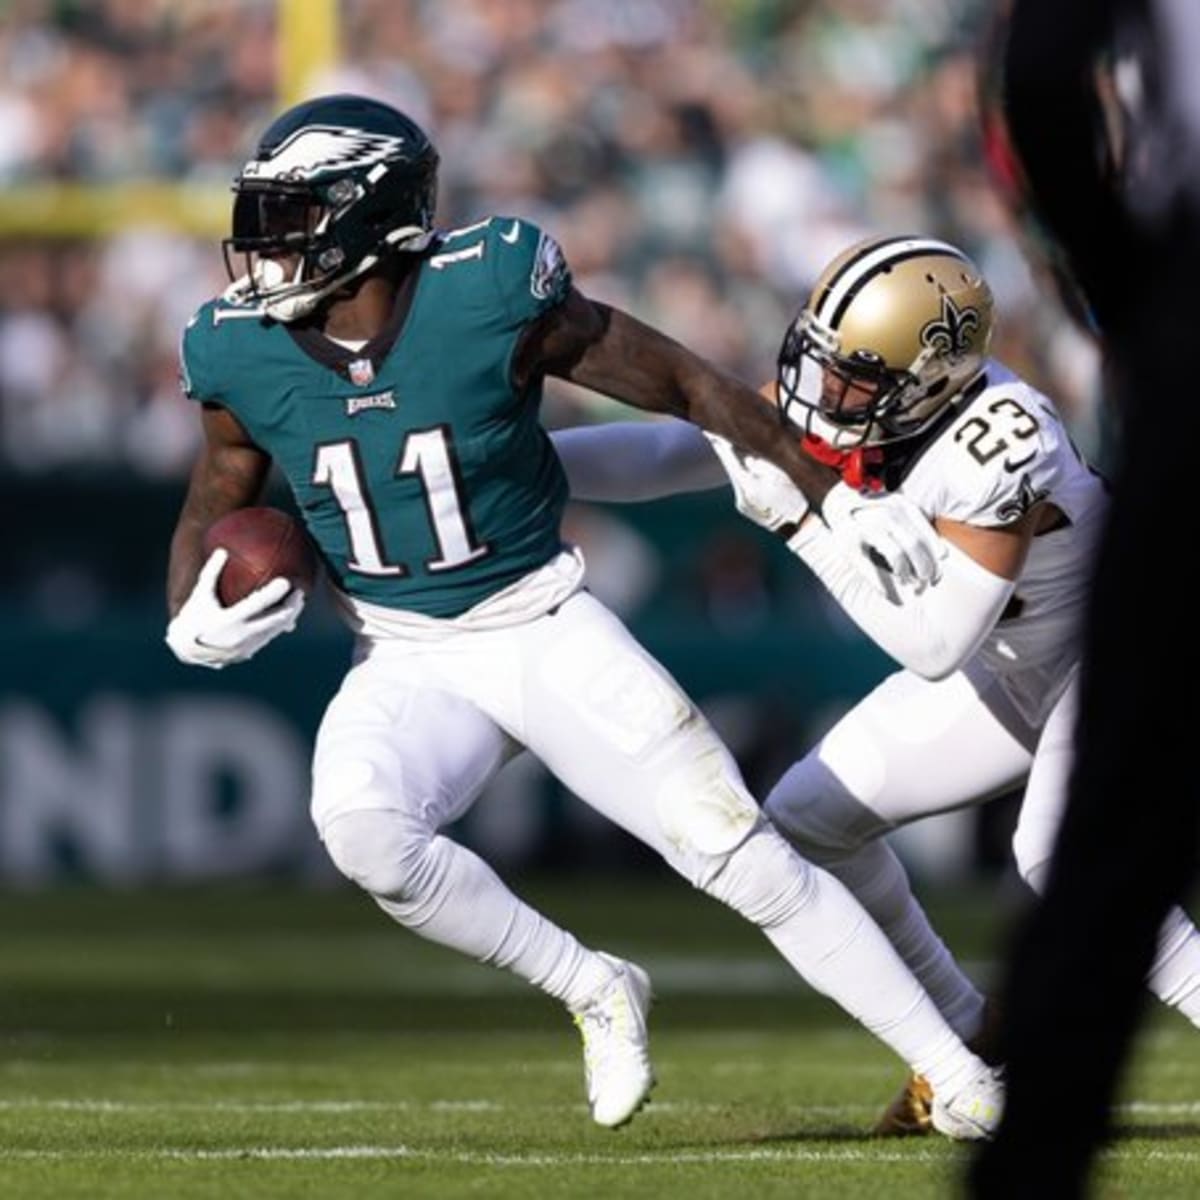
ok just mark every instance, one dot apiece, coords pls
pixel 393 373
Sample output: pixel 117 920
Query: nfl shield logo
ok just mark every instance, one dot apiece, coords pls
pixel 361 372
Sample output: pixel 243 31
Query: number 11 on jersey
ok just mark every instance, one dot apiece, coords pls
pixel 426 453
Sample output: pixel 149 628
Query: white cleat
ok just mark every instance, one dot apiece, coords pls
pixel 972 1113
pixel 616 1055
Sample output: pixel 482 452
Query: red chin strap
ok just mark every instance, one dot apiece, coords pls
pixel 860 468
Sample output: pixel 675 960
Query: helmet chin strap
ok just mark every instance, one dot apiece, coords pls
pixel 294 299
pixel 297 299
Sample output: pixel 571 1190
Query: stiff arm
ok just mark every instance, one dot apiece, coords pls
pixel 931 629
pixel 609 351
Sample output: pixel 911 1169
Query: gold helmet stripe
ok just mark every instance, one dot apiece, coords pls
pixel 874 259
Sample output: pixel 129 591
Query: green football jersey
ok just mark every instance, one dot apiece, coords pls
pixel 424 477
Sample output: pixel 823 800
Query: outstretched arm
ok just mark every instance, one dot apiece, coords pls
pixel 623 462
pixel 229 473
pixel 609 351
pixel 613 353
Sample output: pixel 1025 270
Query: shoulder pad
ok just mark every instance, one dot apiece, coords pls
pixel 995 460
pixel 526 265
pixel 205 348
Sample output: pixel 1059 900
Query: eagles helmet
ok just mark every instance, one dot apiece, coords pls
pixel 334 184
pixel 895 329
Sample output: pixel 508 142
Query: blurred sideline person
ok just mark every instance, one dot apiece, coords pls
pixel 885 373
pixel 1121 214
pixel 394 373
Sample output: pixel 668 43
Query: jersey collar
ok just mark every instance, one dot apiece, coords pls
pixel 349 364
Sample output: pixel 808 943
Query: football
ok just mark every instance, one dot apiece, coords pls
pixel 263 543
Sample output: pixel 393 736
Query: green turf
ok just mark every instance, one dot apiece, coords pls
pixel 273 1044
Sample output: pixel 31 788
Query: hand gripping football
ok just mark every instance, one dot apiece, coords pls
pixel 263 543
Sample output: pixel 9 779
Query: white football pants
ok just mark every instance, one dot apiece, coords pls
pixel 913 748
pixel 419 726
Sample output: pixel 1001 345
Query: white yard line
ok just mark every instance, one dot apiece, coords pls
pixel 1146 1108
pixel 467 1158
pixel 866 1156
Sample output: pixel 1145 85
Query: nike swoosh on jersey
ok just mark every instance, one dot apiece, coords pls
pixel 511 236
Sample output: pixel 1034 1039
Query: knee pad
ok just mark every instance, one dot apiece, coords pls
pixel 380 850
pixel 703 807
pixel 813 809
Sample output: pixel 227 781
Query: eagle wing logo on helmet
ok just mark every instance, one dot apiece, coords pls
pixel 950 335
pixel 318 148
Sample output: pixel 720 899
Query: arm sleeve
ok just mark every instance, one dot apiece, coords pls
pixel 932 629
pixel 628 461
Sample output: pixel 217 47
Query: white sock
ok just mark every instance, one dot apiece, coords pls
pixel 877 878
pixel 827 936
pixel 1175 976
pixel 450 896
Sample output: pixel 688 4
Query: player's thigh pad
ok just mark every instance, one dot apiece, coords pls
pixel 390 740
pixel 614 726
pixel 1046 792
pixel 911 748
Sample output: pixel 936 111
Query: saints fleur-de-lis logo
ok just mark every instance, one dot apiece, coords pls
pixel 1015 507
pixel 950 335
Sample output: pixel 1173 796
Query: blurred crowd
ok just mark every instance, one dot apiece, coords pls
pixel 700 160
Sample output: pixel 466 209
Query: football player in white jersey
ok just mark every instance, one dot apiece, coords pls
pixel 885 373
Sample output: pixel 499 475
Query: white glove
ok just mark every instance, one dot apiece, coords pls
pixel 207 634
pixel 762 492
pixel 891 527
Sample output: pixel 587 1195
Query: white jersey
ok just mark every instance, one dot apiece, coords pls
pixel 1004 452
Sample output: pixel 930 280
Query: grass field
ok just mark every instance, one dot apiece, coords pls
pixel 250 1043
